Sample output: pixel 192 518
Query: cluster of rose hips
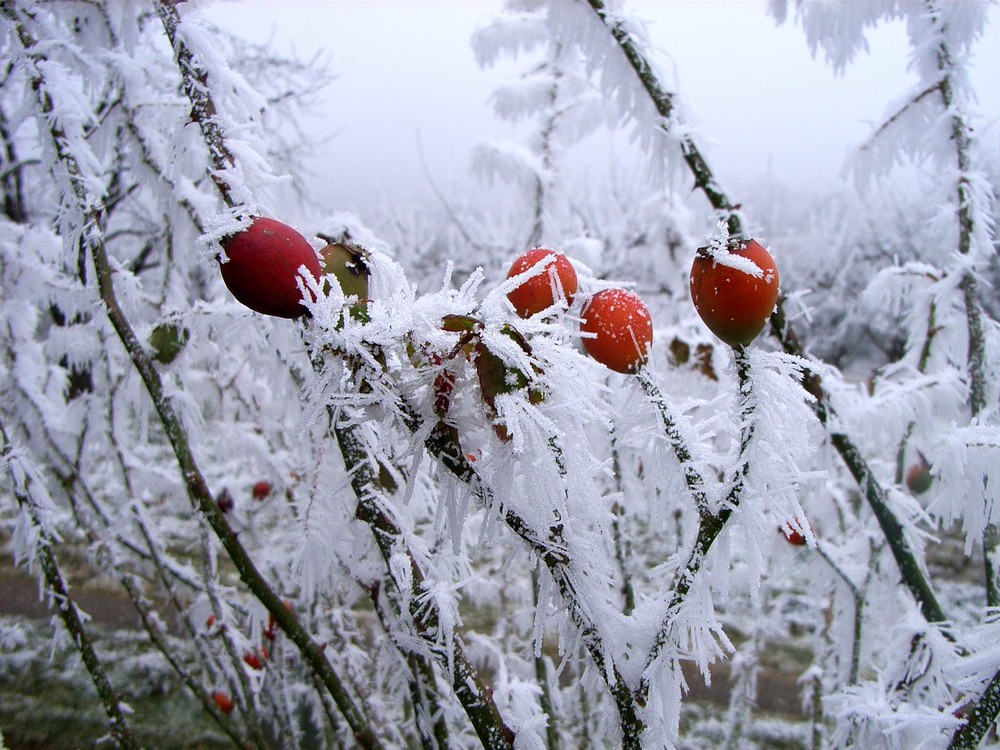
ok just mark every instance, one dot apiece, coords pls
pixel 617 328
pixel 262 272
pixel 263 262
pixel 734 289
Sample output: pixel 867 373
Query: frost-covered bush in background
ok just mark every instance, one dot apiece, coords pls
pixel 416 519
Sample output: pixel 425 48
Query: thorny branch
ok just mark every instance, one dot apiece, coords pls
pixel 91 241
pixel 478 704
pixel 783 331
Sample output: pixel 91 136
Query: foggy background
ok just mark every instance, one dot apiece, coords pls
pixel 405 81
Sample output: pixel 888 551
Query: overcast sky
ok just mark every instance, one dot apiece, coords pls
pixel 405 68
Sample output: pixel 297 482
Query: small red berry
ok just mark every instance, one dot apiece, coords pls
pixel 223 701
pixel 262 270
pixel 253 660
pixel 734 304
pixel 792 534
pixel 622 328
pixel 540 292
pixel 261 490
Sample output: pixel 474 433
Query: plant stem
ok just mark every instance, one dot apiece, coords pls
pixel 961 137
pixel 981 717
pixel 542 676
pixel 692 477
pixel 443 443
pixel 466 682
pixel 710 525
pixel 194 80
pixel 704 179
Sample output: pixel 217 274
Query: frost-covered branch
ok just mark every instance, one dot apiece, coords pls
pixel 92 242
pixel 24 482
pixel 895 117
pixel 621 544
pixel 194 80
pixel 471 692
pixel 552 551
pixel 710 524
pixel 984 712
pixel 704 179
pixel 431 726
pixel 781 327
pixel 11 175
pixel 150 618
pixel 968 214
pixel 692 477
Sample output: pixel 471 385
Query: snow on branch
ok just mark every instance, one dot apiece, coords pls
pixel 28 489
pixel 780 326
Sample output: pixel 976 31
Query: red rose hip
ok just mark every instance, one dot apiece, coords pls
pixel 622 328
pixel 223 701
pixel 263 267
pixel 734 298
pixel 556 281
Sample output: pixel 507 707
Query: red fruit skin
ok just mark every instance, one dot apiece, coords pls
pixel 622 327
pixel 537 294
pixel 263 267
pixel 793 535
pixel 735 305
pixel 253 660
pixel 223 701
pixel 261 490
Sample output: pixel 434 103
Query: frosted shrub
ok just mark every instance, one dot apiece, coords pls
pixel 412 517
